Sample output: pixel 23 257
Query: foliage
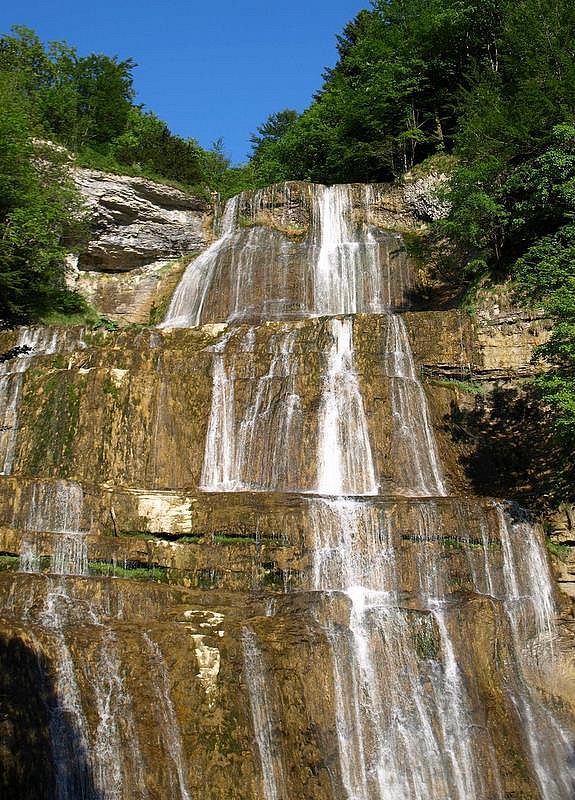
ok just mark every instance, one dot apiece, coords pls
pixel 390 101
pixel 272 130
pixel 40 211
pixel 561 551
pixel 146 142
pixel 76 99
pixel 87 104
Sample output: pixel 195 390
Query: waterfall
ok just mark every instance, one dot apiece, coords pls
pixel 393 584
pixel 382 704
pixel 34 342
pixel 69 784
pixel 413 448
pixel 113 766
pixel 528 601
pixel 345 464
pixel 218 470
pixel 235 457
pixel 354 271
pixel 116 731
pixel 264 265
pixel 273 771
pixel 527 580
pixel 335 271
pixel 401 696
pixel 269 433
pixel 185 309
pixel 168 720
pixel 262 451
pixel 56 508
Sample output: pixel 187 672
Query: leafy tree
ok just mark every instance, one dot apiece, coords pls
pixel 77 100
pixel 147 144
pixel 38 209
pixel 273 128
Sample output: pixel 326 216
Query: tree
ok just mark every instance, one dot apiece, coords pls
pixel 273 129
pixel 39 208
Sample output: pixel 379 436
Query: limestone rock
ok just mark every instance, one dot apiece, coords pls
pixel 423 196
pixel 136 221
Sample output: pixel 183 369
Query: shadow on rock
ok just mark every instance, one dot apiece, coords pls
pixel 41 755
pixel 508 449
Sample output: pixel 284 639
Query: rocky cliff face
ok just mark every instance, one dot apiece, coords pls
pixel 246 558
pixel 138 229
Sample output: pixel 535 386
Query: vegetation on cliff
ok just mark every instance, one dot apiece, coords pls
pixel 39 211
pixel 87 104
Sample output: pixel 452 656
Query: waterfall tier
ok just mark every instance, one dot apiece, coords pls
pixel 294 251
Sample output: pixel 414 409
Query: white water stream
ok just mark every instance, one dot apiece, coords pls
pixel 345 463
pixel 168 721
pixel 413 445
pixel 273 770
pixel 400 697
pixel 185 309
pixel 56 507
pixel 36 341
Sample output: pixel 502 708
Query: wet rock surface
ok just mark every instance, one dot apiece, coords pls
pixel 246 560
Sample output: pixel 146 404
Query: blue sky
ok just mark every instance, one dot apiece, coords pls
pixel 209 69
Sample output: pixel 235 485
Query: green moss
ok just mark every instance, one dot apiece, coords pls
pixel 59 361
pixel 9 563
pixel 468 387
pixel 417 246
pixel 438 162
pixel 87 318
pixel 137 534
pixel 246 222
pixel 426 644
pixel 96 338
pixel 561 551
pixel 110 388
pixel 157 574
pixel 56 403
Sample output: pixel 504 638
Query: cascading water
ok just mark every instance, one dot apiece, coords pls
pixel 345 464
pixel 273 770
pixel 168 720
pixel 336 268
pixel 56 508
pixel 218 471
pixel 393 580
pixel 186 307
pixel 414 450
pixel 529 604
pixel 236 458
pixel 31 342
pixel 264 266
pixel 397 703
pixel 273 416
pixel 380 677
